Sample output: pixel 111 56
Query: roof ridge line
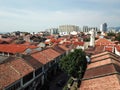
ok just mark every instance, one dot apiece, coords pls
pixel 15 69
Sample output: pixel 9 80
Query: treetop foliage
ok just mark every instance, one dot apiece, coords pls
pixel 74 63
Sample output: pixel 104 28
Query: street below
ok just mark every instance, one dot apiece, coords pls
pixel 59 81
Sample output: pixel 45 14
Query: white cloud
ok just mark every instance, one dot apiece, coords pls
pixel 18 19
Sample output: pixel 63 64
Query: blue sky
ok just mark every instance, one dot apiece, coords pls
pixel 37 15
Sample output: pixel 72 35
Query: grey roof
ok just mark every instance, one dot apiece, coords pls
pixel 3 58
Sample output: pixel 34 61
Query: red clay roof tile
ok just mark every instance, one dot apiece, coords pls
pixel 13 70
pixel 15 48
pixel 109 48
pixel 64 47
pixel 103 41
pixel 107 68
pixel 45 56
pixel 103 83
pixel 79 43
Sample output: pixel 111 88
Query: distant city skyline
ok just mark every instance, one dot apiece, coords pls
pixel 37 15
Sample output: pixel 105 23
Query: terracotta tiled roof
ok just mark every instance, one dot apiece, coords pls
pixel 105 53
pixel 51 53
pixel 109 48
pixel 64 47
pixel 103 56
pixel 53 40
pixel 12 71
pixel 101 70
pixel 110 82
pixel 32 61
pixel 58 49
pixel 100 58
pixel 104 62
pixel 40 57
pixel 79 43
pixel 45 55
pixel 103 41
pixel 14 48
pixel 68 43
pixel 102 73
pixel 96 55
pixel 100 63
pixel 99 49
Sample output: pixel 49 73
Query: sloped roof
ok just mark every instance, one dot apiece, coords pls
pixel 64 47
pixel 103 41
pixel 14 48
pixel 110 82
pixel 79 43
pixel 58 49
pixel 99 71
pixel 67 43
pixel 97 55
pixel 99 49
pixel 53 40
pixel 103 56
pixel 12 70
pixel 51 53
pixel 102 73
pixel 109 48
pixel 40 57
pixel 32 61
pixel 45 55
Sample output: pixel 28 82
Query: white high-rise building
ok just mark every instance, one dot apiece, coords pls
pixel 87 29
pixel 92 38
pixel 103 27
pixel 66 29
pixel 53 30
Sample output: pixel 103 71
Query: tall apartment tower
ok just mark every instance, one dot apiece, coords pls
pixel 53 30
pixel 92 38
pixel 66 29
pixel 103 27
pixel 87 29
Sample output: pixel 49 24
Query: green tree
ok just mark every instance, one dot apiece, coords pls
pixel 99 32
pixel 74 63
pixel 86 39
pixel 118 36
pixel 111 34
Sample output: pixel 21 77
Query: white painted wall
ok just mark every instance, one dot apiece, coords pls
pixel 117 52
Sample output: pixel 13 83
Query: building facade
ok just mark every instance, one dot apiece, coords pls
pixel 53 31
pixel 92 38
pixel 66 29
pixel 103 27
pixel 87 29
